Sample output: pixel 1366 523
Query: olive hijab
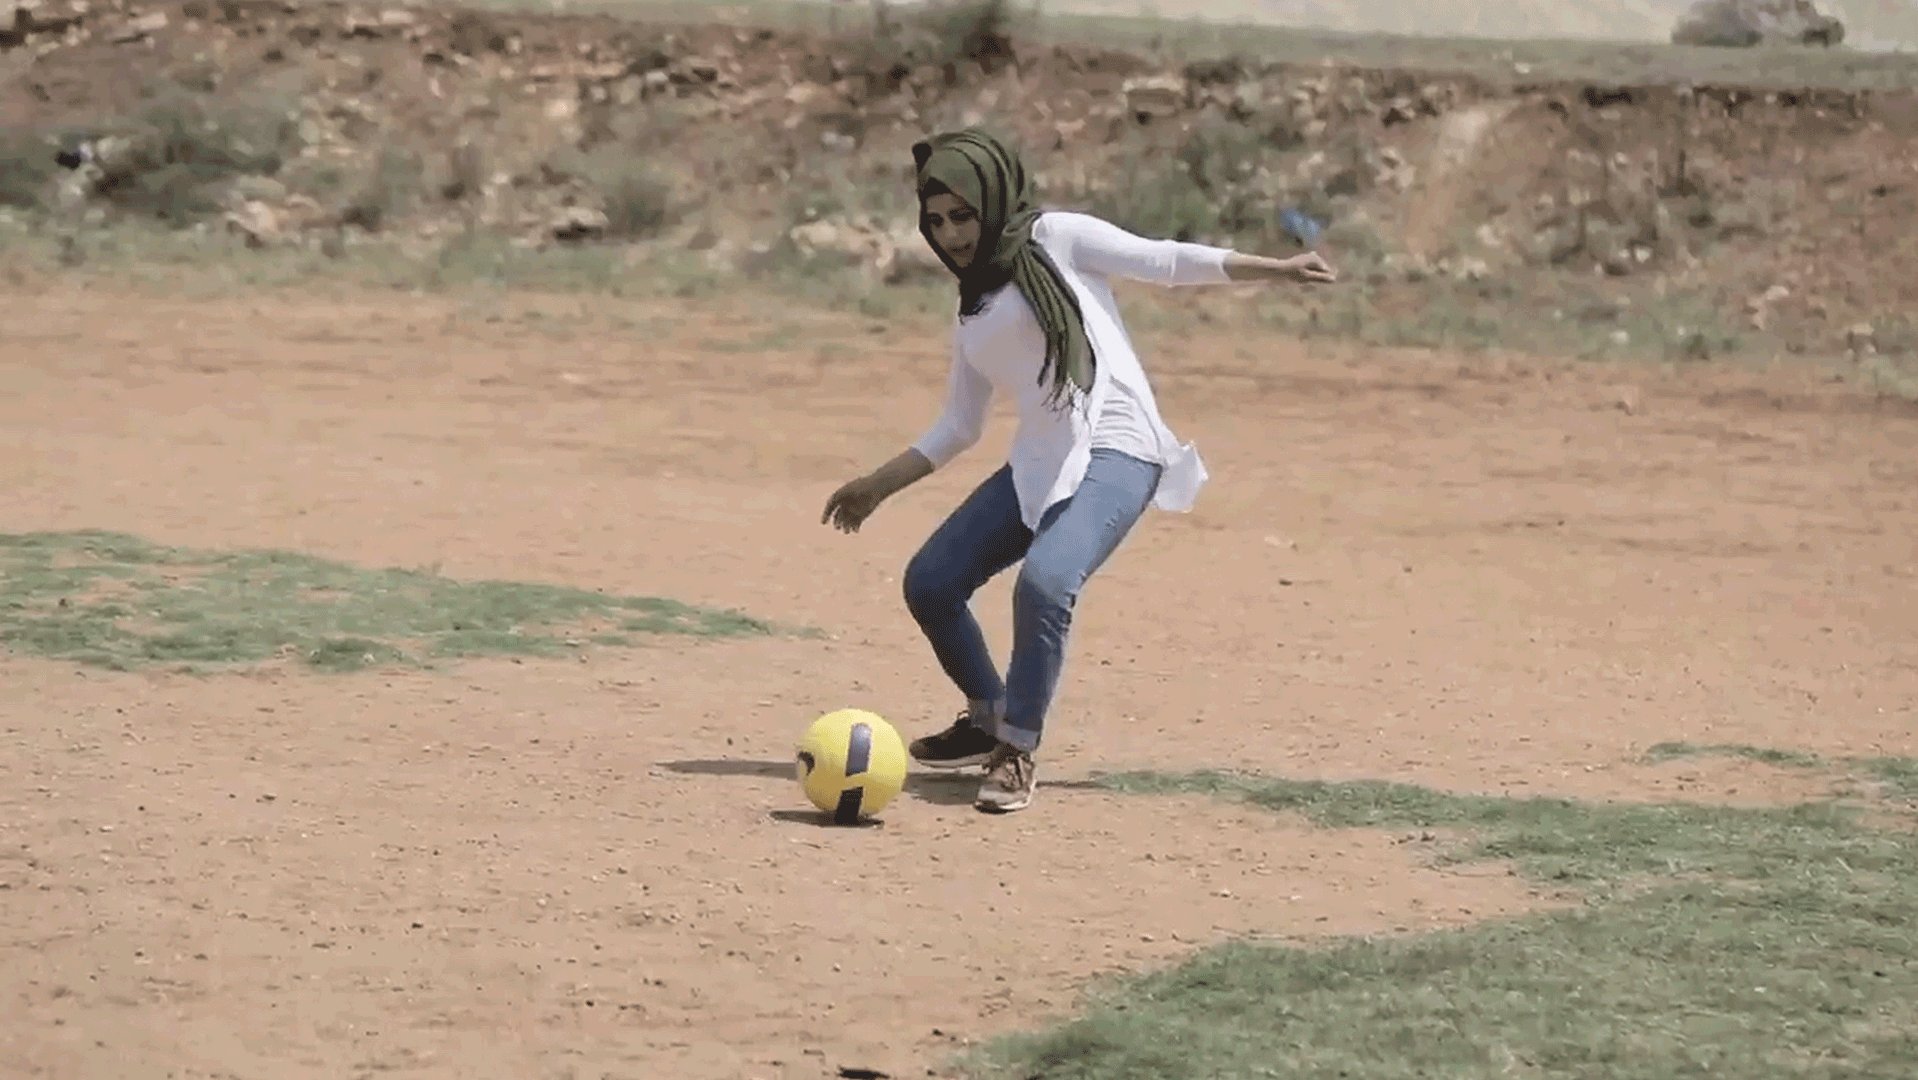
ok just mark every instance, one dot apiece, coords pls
pixel 988 175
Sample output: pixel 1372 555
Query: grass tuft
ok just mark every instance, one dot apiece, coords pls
pixel 120 602
pixel 1778 942
pixel 1555 840
pixel 1796 759
pixel 1895 778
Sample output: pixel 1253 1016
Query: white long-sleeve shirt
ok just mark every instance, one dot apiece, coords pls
pixel 1002 349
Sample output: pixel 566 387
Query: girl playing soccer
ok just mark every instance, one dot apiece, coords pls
pixel 1089 455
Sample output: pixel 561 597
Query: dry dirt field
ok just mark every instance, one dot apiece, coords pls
pixel 1473 573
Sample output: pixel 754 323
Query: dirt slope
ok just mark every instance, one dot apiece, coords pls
pixel 1872 23
pixel 1688 219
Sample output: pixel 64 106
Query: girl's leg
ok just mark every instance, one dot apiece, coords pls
pixel 1076 538
pixel 983 536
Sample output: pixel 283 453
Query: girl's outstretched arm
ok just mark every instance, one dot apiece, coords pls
pixel 1100 247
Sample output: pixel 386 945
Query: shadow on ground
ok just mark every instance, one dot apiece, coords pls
pixel 943 789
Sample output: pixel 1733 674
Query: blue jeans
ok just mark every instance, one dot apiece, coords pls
pixel 986 535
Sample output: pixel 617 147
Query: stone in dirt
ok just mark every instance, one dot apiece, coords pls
pixel 1861 340
pixel 139 28
pixel 1154 97
pixel 255 222
pixel 580 223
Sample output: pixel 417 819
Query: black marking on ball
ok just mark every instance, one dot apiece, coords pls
pixel 847 812
pixel 859 749
pixel 806 759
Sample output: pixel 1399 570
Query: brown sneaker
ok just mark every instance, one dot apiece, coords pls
pixel 1009 781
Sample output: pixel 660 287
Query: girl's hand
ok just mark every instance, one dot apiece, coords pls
pixel 1306 266
pixel 1309 266
pixel 853 503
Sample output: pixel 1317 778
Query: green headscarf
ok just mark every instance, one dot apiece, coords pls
pixel 988 176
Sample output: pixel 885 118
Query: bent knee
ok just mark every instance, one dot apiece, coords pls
pixel 1046 587
pixel 927 586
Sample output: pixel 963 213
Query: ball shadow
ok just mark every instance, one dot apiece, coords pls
pixel 941 789
pixel 821 820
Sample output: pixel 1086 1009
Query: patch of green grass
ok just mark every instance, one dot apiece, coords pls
pixel 1797 759
pixel 1897 775
pixel 187 146
pixel 777 337
pixel 1712 941
pixel 1559 840
pixel 1894 377
pixel 466 263
pixel 1509 311
pixel 27 168
pixel 120 602
pixel 389 189
pixel 1895 778
pixel 639 201
pixel 1526 315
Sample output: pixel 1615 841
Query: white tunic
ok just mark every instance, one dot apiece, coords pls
pixel 1002 349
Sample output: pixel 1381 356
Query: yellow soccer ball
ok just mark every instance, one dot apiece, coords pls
pixel 851 764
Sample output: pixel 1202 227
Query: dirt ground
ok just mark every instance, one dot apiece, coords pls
pixel 1478 574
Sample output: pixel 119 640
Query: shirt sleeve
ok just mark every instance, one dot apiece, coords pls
pixel 964 419
pixel 1099 247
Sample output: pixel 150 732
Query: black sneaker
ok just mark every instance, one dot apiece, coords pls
pixel 958 746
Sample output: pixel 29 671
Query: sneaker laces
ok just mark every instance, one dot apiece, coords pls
pixel 1008 758
pixel 960 724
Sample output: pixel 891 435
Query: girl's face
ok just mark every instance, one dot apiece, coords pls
pixel 954 227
